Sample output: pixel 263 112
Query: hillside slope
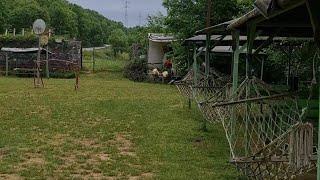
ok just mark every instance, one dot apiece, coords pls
pixel 63 17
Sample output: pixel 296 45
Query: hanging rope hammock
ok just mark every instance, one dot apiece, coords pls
pixel 211 89
pixel 184 86
pixel 265 132
pixel 264 128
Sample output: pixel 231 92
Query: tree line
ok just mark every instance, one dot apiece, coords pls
pixel 62 17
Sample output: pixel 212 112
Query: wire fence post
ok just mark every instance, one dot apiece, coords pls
pixel 47 62
pixel 93 60
pixel 7 64
pixel 318 155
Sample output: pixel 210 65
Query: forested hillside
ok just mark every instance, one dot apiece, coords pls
pixel 63 17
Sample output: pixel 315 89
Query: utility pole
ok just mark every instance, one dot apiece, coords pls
pixel 140 19
pixel 208 38
pixel 126 7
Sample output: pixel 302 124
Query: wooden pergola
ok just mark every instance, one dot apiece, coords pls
pixel 269 18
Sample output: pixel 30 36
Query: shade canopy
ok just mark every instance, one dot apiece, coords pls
pixel 285 18
pixel 161 38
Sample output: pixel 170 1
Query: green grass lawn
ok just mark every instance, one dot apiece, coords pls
pixel 110 129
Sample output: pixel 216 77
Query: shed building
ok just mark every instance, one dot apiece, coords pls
pixel 158 47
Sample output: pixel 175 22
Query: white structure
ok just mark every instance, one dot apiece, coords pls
pixel 158 44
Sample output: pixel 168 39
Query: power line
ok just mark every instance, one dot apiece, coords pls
pixel 126 7
pixel 140 19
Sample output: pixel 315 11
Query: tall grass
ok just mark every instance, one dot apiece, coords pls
pixel 104 61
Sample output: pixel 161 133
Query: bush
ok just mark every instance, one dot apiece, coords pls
pixel 62 75
pixel 136 70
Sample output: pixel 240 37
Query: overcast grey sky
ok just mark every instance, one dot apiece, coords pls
pixel 114 9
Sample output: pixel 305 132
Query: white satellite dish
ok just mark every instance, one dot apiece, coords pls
pixel 39 26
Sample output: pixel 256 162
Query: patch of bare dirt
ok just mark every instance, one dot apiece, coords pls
pixel 3 153
pixel 88 143
pixel 94 176
pixel 124 145
pixel 10 177
pixel 84 163
pixel 97 121
pixel 145 176
pixel 102 156
pixel 58 140
pixel 32 159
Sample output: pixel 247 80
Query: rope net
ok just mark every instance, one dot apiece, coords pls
pixel 209 90
pixel 184 86
pixel 262 127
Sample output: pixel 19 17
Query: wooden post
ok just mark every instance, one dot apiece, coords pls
pixel 236 55
pixel 93 60
pixel 207 55
pixel 195 68
pixel 47 62
pixel 208 39
pixel 313 9
pixel 7 64
pixel 262 68
pixel 318 161
pixel 235 78
pixel 250 40
pixel 37 82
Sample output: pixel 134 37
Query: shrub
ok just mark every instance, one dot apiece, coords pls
pixel 62 75
pixel 136 70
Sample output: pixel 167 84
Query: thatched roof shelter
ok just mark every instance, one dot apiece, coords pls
pixel 285 18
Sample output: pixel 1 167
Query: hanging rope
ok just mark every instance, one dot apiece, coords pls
pixel 258 127
pixel 184 86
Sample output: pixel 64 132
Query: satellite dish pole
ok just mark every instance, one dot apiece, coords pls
pixel 39 26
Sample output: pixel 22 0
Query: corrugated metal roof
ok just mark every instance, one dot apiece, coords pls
pixel 23 50
pixel 215 38
pixel 225 50
pixel 161 38
pixel 96 48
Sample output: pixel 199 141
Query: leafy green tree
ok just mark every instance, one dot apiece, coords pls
pixel 156 23
pixel 119 41
pixel 24 15
pixel 185 17
pixel 63 20
pixel 66 19
pixel 3 16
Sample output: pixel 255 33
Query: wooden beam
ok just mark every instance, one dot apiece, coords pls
pixel 313 8
pixel 266 43
pixel 278 12
pixel 257 99
pixel 286 25
pixel 236 54
pixel 195 66
pixel 207 54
